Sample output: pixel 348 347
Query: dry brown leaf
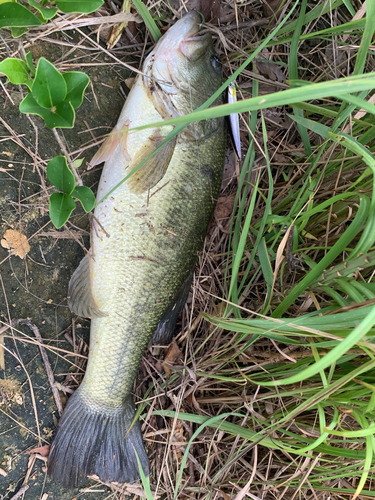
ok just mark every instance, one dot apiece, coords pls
pixel 179 440
pixel 16 242
pixel 42 450
pixel 224 206
pixel 280 158
pixel 173 354
pixel 271 7
pixel 224 495
pixel 2 472
pixel 271 70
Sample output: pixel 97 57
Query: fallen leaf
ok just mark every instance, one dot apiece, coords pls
pixel 16 242
pixel 271 70
pixel 8 153
pixel 42 450
pixel 272 7
pixel 2 472
pixel 173 354
pixel 179 440
pixel 224 495
pixel 224 207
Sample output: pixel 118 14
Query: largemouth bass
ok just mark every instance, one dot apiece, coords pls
pixel 144 245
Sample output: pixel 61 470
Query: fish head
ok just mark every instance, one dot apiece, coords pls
pixel 182 70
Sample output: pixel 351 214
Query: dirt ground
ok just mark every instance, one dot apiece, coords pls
pixel 35 287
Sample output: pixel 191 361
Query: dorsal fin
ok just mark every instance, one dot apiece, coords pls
pixel 80 299
pixel 154 169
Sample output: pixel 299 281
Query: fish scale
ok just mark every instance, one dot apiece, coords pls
pixel 144 245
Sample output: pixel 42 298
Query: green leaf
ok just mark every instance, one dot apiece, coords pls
pixel 85 196
pixel 14 15
pixel 316 127
pixel 60 207
pixel 355 336
pixel 82 7
pixel 15 70
pixel 47 13
pixel 60 175
pixel 77 163
pixel 49 88
pixel 62 116
pixel 145 480
pixel 17 32
pixel 29 62
pixel 76 83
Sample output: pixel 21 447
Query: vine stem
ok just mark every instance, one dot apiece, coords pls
pixel 70 162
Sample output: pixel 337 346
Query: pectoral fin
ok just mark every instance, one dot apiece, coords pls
pixel 80 299
pixel 119 135
pixel 147 176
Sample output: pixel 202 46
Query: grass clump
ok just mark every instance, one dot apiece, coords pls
pixel 284 397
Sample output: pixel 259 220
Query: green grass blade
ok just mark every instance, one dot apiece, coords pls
pixel 335 88
pixel 326 261
pixel 148 20
pixel 357 334
pixel 366 38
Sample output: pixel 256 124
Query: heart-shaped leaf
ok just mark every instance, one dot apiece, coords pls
pixel 62 116
pixel 82 7
pixel 60 207
pixel 76 83
pixel 85 196
pixel 49 88
pixel 16 71
pixel 17 16
pixel 60 175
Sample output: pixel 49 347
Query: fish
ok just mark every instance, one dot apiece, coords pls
pixel 145 240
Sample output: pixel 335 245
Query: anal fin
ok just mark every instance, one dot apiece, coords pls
pixel 80 299
pixel 165 329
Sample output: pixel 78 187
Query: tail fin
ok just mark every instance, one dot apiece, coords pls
pixel 90 441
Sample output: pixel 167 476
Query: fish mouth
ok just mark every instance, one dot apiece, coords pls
pixel 185 28
pixel 180 43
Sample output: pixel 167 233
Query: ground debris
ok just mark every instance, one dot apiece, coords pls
pixel 16 242
pixel 173 354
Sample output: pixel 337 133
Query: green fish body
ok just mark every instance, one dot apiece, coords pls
pixel 144 245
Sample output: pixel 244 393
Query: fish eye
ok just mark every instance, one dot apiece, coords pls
pixel 216 64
